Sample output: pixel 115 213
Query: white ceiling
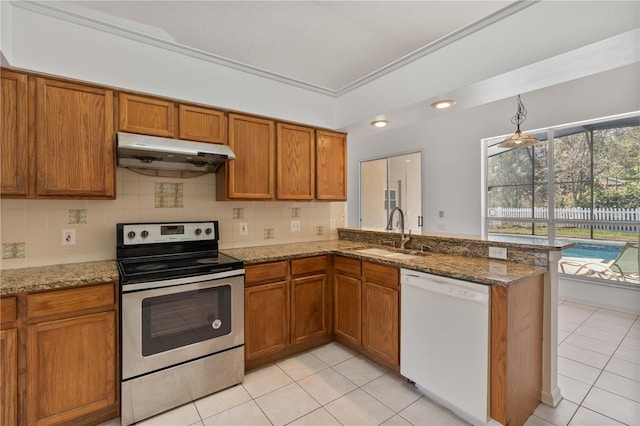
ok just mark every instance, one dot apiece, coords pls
pixel 328 46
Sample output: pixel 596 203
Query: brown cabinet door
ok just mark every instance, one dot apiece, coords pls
pixel 266 319
pixel 202 124
pixel 295 162
pixel 72 368
pixel 14 168
pixel 8 377
pixel 74 141
pixel 347 308
pixel 308 308
pixel 146 115
pixel 331 166
pixel 251 175
pixel 380 319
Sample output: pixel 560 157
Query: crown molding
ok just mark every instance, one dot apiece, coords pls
pixel 158 38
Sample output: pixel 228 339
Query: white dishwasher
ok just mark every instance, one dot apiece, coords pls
pixel 444 344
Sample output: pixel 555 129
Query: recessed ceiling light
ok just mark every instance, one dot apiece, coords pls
pixel 379 123
pixel 445 103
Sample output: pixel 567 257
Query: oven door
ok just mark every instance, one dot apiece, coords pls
pixel 162 327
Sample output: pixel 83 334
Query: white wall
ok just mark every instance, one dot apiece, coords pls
pixel 41 43
pixel 451 145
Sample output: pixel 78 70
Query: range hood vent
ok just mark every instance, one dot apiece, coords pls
pixel 186 158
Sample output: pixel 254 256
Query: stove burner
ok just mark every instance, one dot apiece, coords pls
pixel 208 261
pixel 150 267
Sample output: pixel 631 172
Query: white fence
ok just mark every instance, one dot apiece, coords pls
pixel 624 216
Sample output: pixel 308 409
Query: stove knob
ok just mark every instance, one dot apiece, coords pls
pixel 144 234
pixel 208 231
pixel 131 234
pixel 198 231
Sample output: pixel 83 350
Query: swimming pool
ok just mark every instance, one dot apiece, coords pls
pixel 594 250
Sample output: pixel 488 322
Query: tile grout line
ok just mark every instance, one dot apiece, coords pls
pixel 580 405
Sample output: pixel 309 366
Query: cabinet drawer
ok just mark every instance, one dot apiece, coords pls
pixel 266 272
pixel 308 265
pixel 8 309
pixel 381 274
pixel 348 266
pixel 71 300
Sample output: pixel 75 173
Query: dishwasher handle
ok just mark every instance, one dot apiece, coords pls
pixel 448 287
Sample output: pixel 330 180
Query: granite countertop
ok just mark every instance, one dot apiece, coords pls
pixel 38 278
pixel 476 269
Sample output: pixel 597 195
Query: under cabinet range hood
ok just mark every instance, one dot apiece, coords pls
pixel 155 155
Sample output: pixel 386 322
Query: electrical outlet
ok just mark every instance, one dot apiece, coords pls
pixel 295 226
pixel 498 252
pixel 333 223
pixel 68 237
pixel 244 228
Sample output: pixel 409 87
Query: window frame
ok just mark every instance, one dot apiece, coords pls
pixel 551 221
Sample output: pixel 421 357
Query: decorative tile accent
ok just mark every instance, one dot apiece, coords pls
pixel 169 195
pixel 295 212
pixel 238 213
pixel 13 250
pixel 77 216
pixel 268 233
pixel 319 230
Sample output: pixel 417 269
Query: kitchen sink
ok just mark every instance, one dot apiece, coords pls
pixel 387 253
pixel 401 256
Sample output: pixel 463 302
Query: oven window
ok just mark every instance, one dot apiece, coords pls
pixel 176 320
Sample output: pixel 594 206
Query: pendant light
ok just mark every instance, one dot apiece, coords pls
pixel 519 139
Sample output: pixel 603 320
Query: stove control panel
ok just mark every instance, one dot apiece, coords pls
pixel 152 233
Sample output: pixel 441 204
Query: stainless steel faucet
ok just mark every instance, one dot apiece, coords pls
pixel 403 239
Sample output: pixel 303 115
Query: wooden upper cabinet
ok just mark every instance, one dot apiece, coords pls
pixel 295 162
pixel 146 115
pixel 13 145
pixel 251 175
pixel 202 124
pixel 331 166
pixel 74 140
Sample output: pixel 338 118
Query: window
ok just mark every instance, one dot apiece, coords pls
pixel 390 199
pixel 582 184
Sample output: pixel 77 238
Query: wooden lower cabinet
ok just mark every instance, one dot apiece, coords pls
pixel 287 308
pixel 266 319
pixel 8 362
pixel 516 350
pixel 367 308
pixel 59 365
pixel 310 299
pixel 348 308
pixel 381 311
pixel 71 367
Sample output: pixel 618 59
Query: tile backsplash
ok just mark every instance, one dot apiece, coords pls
pixel 31 230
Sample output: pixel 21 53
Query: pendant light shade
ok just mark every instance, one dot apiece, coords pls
pixel 519 139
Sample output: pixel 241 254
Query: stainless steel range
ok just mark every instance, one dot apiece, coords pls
pixel 182 316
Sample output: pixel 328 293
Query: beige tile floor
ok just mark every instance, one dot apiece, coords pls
pixel 598 366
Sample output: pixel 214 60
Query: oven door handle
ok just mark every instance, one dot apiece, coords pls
pixel 222 273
